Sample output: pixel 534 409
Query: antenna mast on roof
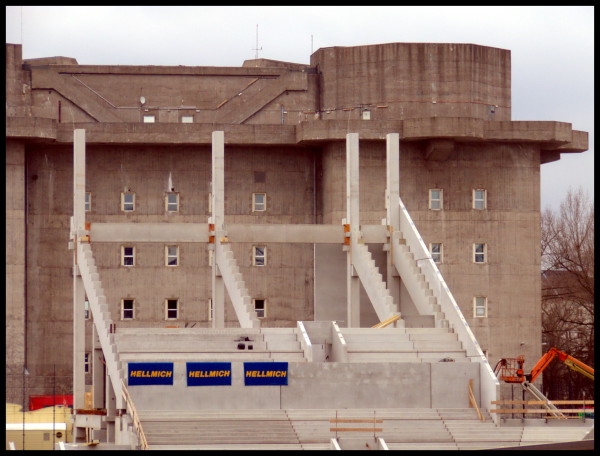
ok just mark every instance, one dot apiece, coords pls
pixel 257 48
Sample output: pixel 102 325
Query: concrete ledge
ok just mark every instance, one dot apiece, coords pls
pixel 32 127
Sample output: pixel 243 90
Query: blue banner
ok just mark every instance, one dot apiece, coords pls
pixel 150 374
pixel 265 374
pixel 203 374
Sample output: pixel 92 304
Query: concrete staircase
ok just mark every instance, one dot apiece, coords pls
pixel 403 345
pixel 309 429
pixel 236 287
pixel 207 344
pixel 100 312
pixel 373 282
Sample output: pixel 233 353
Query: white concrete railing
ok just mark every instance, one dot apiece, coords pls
pixel 100 313
pixel 305 343
pixel 372 281
pixel 488 381
pixel 236 288
pixel 339 348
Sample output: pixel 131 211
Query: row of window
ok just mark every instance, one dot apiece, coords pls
pixel 259 255
pixel 436 199
pixel 259 202
pixel 260 307
pixel 172 309
pixel 436 249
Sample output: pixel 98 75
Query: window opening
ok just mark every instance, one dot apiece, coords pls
pixel 479 253
pixel 435 199
pixel 259 202
pixel 127 256
pixel 480 306
pixel 128 201
pixel 172 202
pixel 127 309
pixel 260 307
pixel 88 201
pixel 436 252
pixel 171 309
pixel 172 255
pixel 479 199
pixel 259 257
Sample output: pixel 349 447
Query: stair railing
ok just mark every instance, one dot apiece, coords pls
pixel 488 381
pixel 137 424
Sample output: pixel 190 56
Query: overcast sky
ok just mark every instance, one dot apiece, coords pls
pixel 552 48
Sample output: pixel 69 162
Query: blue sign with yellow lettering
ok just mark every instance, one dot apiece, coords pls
pixel 265 374
pixel 150 373
pixel 203 374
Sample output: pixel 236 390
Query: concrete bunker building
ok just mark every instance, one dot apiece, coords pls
pixel 469 176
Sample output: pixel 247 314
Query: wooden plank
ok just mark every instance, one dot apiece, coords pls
pixel 578 402
pixel 356 429
pixel 334 420
pixel 519 411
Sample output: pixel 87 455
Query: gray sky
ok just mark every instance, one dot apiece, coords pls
pixel 552 48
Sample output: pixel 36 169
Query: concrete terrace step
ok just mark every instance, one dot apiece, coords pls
pixel 225 356
pixel 235 447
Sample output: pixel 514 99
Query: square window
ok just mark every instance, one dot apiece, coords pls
pixel 436 202
pixel 172 202
pixel 436 252
pixel 187 119
pixel 260 307
pixel 88 201
pixel 259 255
pixel 171 309
pixel 259 202
pixel 86 309
pixel 149 119
pixel 479 306
pixel 128 201
pixel 127 256
pixel 479 199
pixel 172 255
pixel 479 253
pixel 127 309
pixel 86 363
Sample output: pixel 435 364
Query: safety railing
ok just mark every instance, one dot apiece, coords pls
pixel 488 381
pixel 135 419
pixel 584 410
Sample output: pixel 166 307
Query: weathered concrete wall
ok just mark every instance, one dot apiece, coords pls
pixel 510 226
pixel 412 80
pixel 331 385
pixel 15 268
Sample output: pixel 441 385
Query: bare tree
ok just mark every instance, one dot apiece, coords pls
pixel 568 292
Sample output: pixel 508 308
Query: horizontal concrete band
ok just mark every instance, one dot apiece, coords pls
pixel 552 135
pixel 198 232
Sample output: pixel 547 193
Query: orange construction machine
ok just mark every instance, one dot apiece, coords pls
pixel 511 370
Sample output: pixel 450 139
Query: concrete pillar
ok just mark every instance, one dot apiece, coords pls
pixel 392 195
pixel 78 288
pixel 352 218
pixel 218 218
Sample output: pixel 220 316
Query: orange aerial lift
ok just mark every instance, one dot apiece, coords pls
pixel 510 370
